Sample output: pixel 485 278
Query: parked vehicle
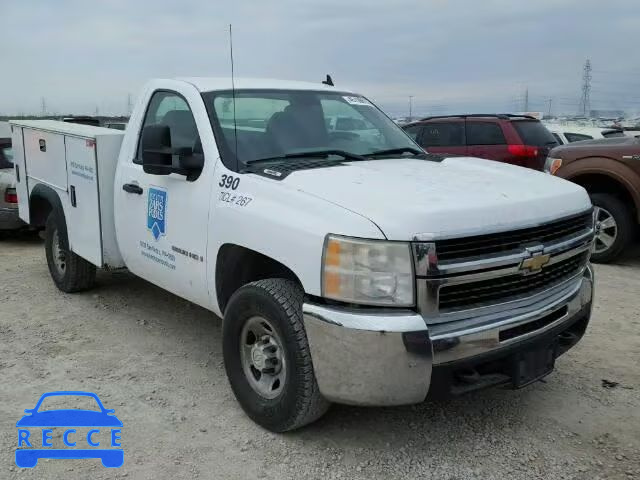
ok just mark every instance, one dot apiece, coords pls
pixel 609 170
pixel 330 261
pixel 9 218
pixel 570 133
pixel 516 139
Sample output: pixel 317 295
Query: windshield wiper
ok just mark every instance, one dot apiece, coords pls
pixel 312 154
pixel 392 151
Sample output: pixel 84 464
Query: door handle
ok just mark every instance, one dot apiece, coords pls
pixel 132 188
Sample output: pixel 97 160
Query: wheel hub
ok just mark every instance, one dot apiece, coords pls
pixel 262 356
pixel 59 255
pixel 606 230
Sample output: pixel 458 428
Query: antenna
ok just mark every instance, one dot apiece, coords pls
pixel 233 96
pixel 328 81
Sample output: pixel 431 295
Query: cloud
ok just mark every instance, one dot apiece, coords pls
pixel 451 55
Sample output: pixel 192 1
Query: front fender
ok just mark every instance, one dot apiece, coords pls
pixel 283 223
pixel 607 167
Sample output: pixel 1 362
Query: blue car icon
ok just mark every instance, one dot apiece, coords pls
pixel 105 418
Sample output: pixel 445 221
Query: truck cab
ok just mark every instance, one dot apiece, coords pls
pixel 332 255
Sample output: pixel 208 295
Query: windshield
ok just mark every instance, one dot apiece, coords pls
pixel 279 123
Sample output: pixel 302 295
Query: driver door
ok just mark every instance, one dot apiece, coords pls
pixel 162 218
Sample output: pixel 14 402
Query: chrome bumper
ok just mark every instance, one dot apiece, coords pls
pixel 386 359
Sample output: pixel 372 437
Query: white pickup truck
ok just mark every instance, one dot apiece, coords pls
pixel 347 268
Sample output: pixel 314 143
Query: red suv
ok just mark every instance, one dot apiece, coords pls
pixel 517 139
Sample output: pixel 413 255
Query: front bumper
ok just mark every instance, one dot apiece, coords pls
pixel 383 359
pixel 9 219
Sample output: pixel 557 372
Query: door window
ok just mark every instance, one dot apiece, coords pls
pixel 172 110
pixel 442 134
pixel 484 133
pixel 413 131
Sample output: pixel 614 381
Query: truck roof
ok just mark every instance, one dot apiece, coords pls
pixel 208 84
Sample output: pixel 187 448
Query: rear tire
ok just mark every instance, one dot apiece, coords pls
pixel 614 227
pixel 69 272
pixel 292 398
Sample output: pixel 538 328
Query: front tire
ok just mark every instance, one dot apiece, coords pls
pixel 614 227
pixel 69 272
pixel 267 357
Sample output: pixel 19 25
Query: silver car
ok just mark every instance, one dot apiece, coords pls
pixel 9 219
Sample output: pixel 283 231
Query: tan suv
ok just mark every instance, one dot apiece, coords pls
pixel 609 169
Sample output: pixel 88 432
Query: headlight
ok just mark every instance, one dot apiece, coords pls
pixel 368 272
pixel 552 165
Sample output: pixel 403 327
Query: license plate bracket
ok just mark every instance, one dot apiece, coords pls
pixel 533 364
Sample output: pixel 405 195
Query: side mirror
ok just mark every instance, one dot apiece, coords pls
pixel 157 156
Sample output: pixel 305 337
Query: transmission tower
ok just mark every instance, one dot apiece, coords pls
pixel 526 100
pixel 585 100
pixel 43 107
pixel 129 105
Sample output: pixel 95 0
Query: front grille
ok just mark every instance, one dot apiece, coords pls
pixel 482 245
pixel 503 289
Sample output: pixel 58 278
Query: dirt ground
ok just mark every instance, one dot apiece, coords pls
pixel 157 361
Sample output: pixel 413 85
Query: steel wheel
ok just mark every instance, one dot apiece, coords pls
pixel 606 230
pixel 262 357
pixel 59 255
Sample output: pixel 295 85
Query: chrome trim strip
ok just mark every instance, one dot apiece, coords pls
pixel 458 340
pixel 548 294
pixel 425 255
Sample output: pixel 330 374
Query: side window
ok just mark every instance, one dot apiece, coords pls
pixel 485 133
pixel 170 109
pixel 413 131
pixel 442 134
pixel 576 137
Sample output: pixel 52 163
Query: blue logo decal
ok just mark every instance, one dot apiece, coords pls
pixel 157 212
pixel 102 423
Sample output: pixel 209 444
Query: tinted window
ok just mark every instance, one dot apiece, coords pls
pixel 6 157
pixel 484 133
pixel 533 133
pixel 442 134
pixel 577 137
pixel 613 134
pixel 558 139
pixel 170 109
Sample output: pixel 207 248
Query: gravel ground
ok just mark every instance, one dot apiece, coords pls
pixel 157 361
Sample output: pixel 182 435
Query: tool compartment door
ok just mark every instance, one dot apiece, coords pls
pixel 83 214
pixel 20 173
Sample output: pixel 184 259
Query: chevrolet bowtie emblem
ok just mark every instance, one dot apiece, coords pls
pixel 535 263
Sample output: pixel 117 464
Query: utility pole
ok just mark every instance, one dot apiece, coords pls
pixel 410 108
pixel 97 112
pixel 43 106
pixel 129 105
pixel 526 100
pixel 550 102
pixel 585 99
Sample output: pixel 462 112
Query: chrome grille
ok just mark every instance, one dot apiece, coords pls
pixel 461 248
pixel 464 277
pixel 511 287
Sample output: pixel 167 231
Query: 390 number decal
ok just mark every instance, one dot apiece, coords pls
pixel 229 181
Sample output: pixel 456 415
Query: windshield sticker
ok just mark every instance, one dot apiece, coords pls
pixel 357 101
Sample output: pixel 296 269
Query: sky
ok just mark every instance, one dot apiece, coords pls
pixel 450 56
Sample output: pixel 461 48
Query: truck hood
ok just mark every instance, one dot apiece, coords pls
pixel 457 196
